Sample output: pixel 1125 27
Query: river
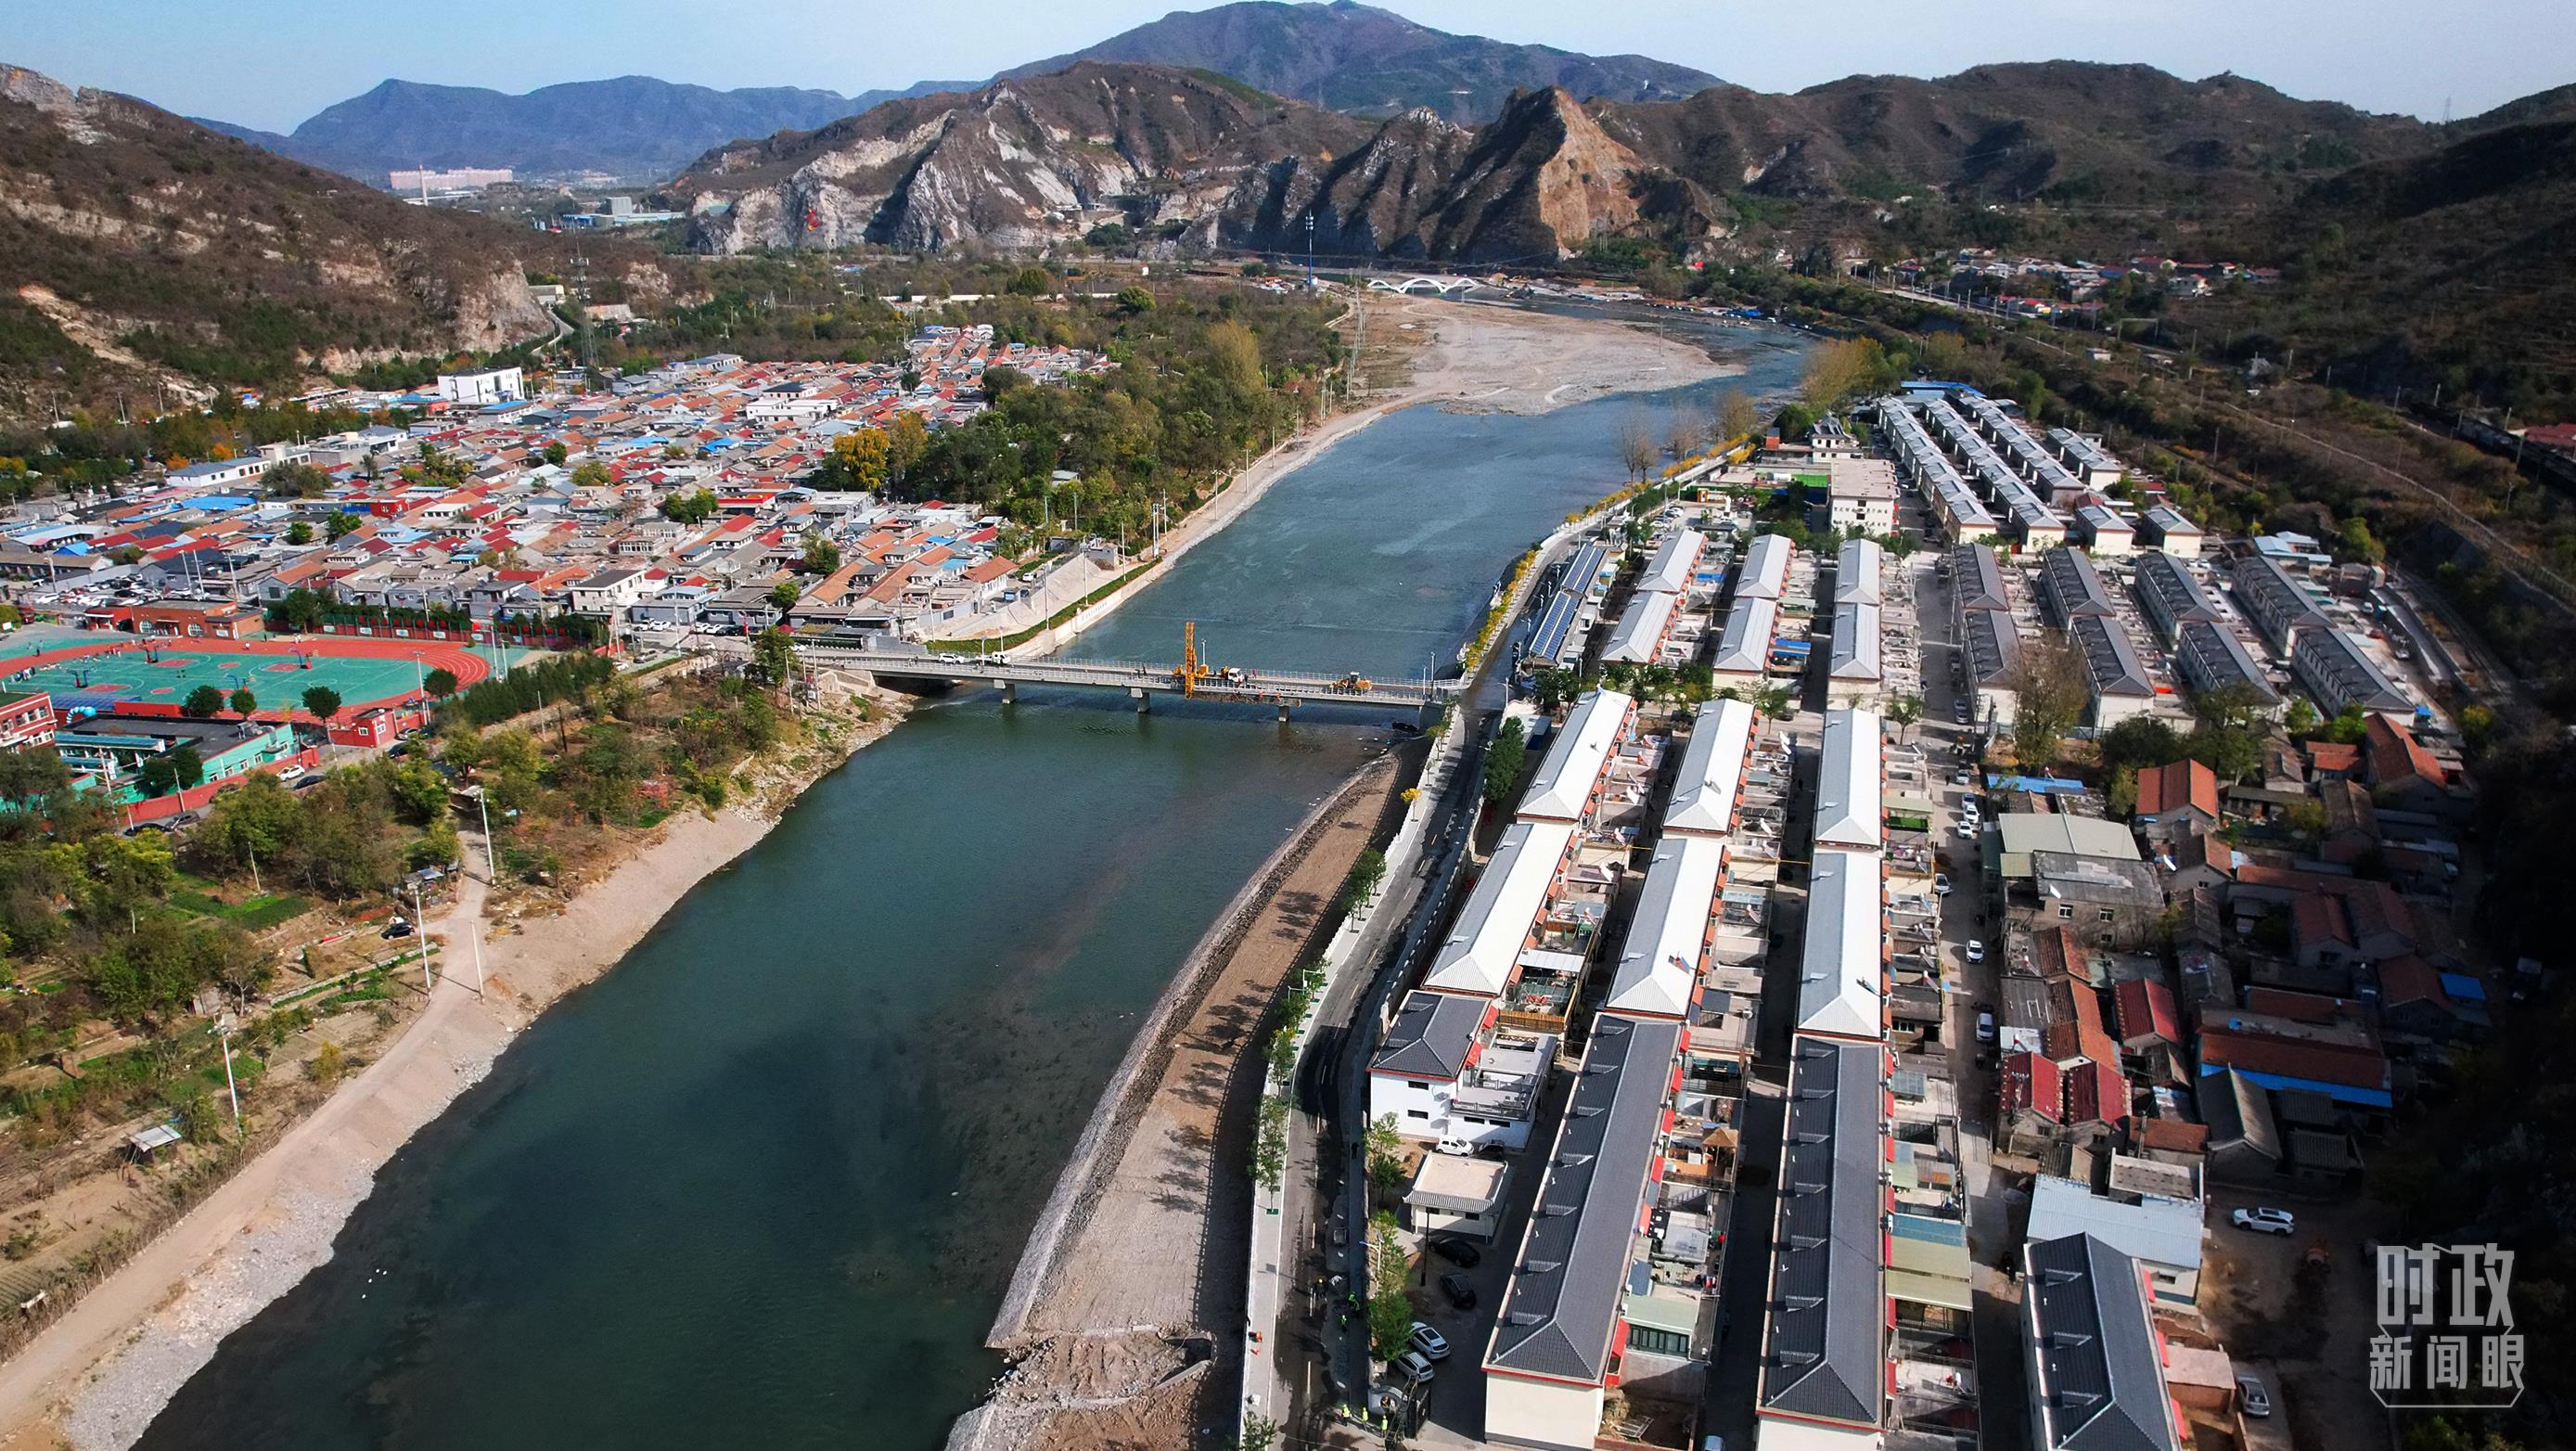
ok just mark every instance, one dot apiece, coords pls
pixel 763 1184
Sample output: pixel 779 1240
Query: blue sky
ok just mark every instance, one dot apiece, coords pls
pixel 271 63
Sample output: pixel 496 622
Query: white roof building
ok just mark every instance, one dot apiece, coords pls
pixel 1480 951
pixel 1765 571
pixel 1659 966
pixel 1849 780
pixel 1712 770
pixel 1669 572
pixel 1842 970
pixel 1856 570
pixel 1855 646
pixel 1640 632
pixel 1576 757
pixel 1744 646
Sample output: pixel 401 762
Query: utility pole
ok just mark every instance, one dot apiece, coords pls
pixel 224 1036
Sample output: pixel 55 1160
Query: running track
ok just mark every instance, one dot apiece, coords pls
pixel 467 666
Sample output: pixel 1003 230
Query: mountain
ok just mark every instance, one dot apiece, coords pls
pixel 1725 170
pixel 140 249
pixel 1357 58
pixel 1019 164
pixel 633 126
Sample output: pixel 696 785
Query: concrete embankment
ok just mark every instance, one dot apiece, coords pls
pixel 1131 1280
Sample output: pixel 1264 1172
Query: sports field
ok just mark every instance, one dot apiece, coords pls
pixel 100 668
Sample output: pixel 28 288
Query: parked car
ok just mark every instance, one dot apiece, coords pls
pixel 1966 831
pixel 397 928
pixel 1941 883
pixel 289 771
pixel 1456 1251
pixel 1976 950
pixel 1411 1368
pixel 2258 1401
pixel 1985 1023
pixel 1455 1146
pixel 2265 1221
pixel 1431 1343
pixel 1462 1296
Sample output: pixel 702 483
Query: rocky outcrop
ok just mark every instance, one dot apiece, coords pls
pixel 1020 164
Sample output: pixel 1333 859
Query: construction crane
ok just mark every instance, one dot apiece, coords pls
pixel 1193 671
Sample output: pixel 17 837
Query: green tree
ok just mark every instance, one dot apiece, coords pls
pixel 203 703
pixel 1385 1152
pixel 1390 1309
pixel 692 508
pixel 555 453
pixel 2300 720
pixel 784 595
pixel 440 683
pixel 590 473
pixel 322 701
pixel 1135 299
pixel 295 481
pixel 299 532
pixel 773 658
pixel 2349 727
pixel 822 556
pixel 1362 883
pixel 906 441
pixel 1503 762
pixel 174 770
pixel 244 702
pixel 1905 711
pixel 341 526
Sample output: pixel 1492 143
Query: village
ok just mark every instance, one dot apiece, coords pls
pixel 1959 938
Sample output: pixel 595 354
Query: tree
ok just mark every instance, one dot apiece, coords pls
pixel 2050 693
pixel 1905 711
pixel 1795 422
pixel 1135 299
pixel 203 703
pixel 693 508
pixel 773 658
pixel 1390 1310
pixel 295 481
pixel 299 532
pixel 2300 720
pixel 440 683
pixel 2140 742
pixel 2349 727
pixel 1636 448
pixel 1684 437
pixel 556 453
pixel 322 701
pixel 1503 762
pixel 244 702
pixel 1553 686
pixel 1776 702
pixel 1736 416
pixel 1839 369
pixel 341 526
pixel 905 443
pixel 859 460
pixel 1385 1151
pixel 1362 883
pixel 175 770
pixel 590 473
pixel 822 556
pixel 784 595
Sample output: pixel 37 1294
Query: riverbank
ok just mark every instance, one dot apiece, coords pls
pixel 1471 357
pixel 1117 1316
pixel 96 1377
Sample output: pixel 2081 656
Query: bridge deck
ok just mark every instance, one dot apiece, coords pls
pixel 1256 686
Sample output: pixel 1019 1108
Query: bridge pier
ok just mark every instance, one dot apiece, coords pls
pixel 1144 698
pixel 1283 712
pixel 1010 692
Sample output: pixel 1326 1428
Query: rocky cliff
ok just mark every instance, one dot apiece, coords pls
pixel 1018 164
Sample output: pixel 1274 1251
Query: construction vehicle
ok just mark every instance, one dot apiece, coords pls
pixel 1192 670
pixel 1355 683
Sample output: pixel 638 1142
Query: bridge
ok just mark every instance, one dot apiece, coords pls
pixel 1141 680
pixel 1442 285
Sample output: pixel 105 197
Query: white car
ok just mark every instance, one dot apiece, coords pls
pixel 1941 883
pixel 2265 1221
pixel 1967 831
pixel 289 772
pixel 1428 1342
pixel 1411 1368
pixel 2258 1401
pixel 1977 953
pixel 1455 1146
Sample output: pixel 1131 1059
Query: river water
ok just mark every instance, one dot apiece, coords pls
pixel 763 1184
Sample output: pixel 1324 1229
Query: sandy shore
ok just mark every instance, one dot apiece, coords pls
pixel 97 1377
pixel 1475 357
